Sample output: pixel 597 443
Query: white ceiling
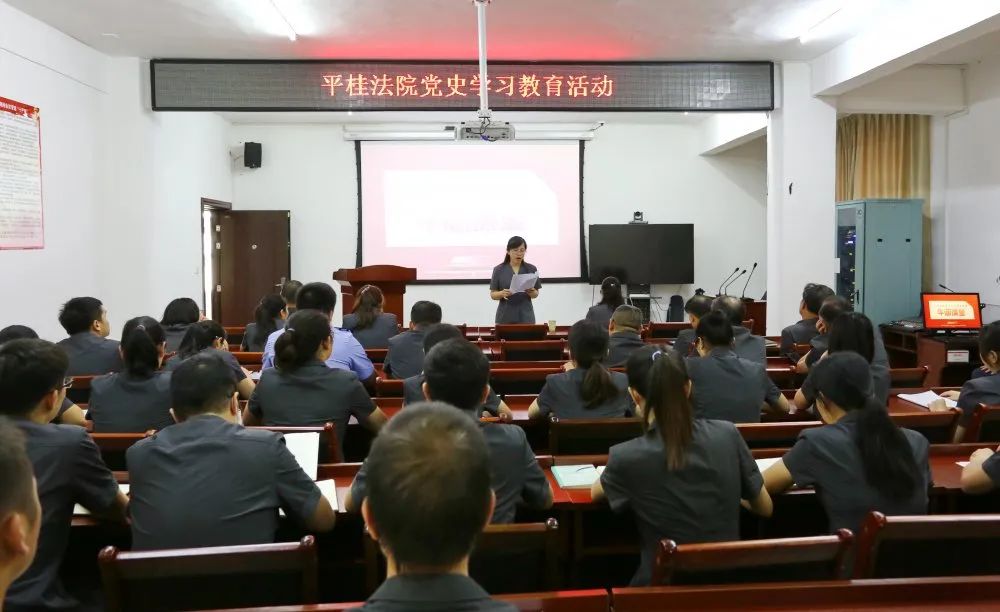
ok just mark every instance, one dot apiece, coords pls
pixel 446 29
pixel 976 50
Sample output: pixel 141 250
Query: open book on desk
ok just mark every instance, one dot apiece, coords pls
pixel 924 399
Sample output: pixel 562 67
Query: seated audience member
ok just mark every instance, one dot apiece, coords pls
pixel 458 374
pixel 587 389
pixel 425 510
pixel 348 354
pixel 66 462
pixel 368 323
pixel 696 307
pixel 136 399
pixel 20 511
pixel 684 478
pixel 69 413
pixel 90 352
pixel 728 387
pixel 406 350
pixel 611 298
pixel 289 293
pixel 832 307
pixel 413 387
pixel 860 460
pixel 625 329
pixel 208 481
pixel 302 391
pixel 268 317
pixel 178 316
pixel 850 331
pixel 209 337
pixel 805 330
pixel 745 344
pixel 978 390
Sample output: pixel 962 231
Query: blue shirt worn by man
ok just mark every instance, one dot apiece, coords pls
pixel 348 354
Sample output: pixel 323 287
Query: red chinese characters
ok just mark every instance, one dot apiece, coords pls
pixel 525 86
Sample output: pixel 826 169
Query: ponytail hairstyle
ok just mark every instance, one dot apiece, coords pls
pixel 588 346
pixel 268 309
pixel 660 377
pixel 304 334
pixel 611 293
pixel 852 331
pixel 515 242
pixel 200 336
pixel 368 306
pixel 844 379
pixel 142 338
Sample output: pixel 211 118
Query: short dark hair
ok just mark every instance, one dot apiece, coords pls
pixel 429 485
pixel 29 369
pixel 290 290
pixel 813 296
pixel 200 336
pixel 989 338
pixel 852 331
pixel 425 313
pixel 732 307
pixel 715 329
pixel 78 314
pixel 201 384
pixel 833 307
pixel 436 334
pixel 17 477
pixel 457 373
pixel 181 311
pixel 698 305
pixel 316 296
pixel 16 332
pixel 627 316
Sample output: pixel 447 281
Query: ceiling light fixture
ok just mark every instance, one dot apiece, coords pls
pixel 292 36
pixel 813 32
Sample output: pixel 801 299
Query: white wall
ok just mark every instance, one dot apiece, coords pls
pixel 972 196
pixel 310 170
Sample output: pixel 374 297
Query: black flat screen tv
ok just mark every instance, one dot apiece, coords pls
pixel 642 254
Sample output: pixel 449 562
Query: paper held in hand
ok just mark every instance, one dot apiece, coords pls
pixel 519 283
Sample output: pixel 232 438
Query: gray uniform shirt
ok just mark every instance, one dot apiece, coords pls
pixel 229 358
pixel 120 403
pixel 515 474
pixel 982 390
pixel 254 338
pixel 699 502
pixel 749 346
pixel 376 335
pixel 69 470
pixel 562 395
pixel 828 458
pixel 797 333
pixel 684 344
pixel 517 308
pixel 881 378
pixel 310 396
pixel 413 393
pixel 992 468
pixel 405 357
pixel 620 347
pixel 432 593
pixel 600 314
pixel 729 388
pixel 91 355
pixel 208 482
pixel 174 335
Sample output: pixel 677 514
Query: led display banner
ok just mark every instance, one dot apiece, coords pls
pixel 231 85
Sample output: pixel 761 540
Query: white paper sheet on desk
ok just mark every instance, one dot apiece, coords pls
pixel 575 476
pixel 961 464
pixel 79 510
pixel 255 375
pixel 329 490
pixel 305 447
pixel 924 399
pixel 519 283
pixel 763 464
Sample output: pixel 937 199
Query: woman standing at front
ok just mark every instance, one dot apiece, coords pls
pixel 514 307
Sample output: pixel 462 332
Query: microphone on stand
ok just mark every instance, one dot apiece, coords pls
pixel 748 281
pixel 744 271
pixel 727 279
pixel 947 289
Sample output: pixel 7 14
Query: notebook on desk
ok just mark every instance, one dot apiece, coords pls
pixel 924 399
pixel 576 476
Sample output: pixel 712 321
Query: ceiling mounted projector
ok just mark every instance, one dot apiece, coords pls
pixel 486 130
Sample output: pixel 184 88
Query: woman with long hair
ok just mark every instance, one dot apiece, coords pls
pixel 611 298
pixel 514 307
pixel 852 332
pixel 860 460
pixel 268 317
pixel 209 336
pixel 136 399
pixel 684 478
pixel 587 389
pixel 179 314
pixel 370 326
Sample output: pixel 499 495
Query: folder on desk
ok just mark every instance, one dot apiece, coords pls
pixel 576 476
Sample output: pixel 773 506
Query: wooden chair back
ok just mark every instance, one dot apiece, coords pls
pixel 520 381
pixel 207 578
pixel 985 424
pixel 532 350
pixel 113 447
pixel 774 435
pixel 935 545
pixel 520 331
pixel 329 443
pixel 908 377
pixel 779 560
pixel 937 427
pixel 590 436
pixel 79 392
pixel 527 365
pixel 377 355
pixel 388 387
pixel 665 330
pixel 248 359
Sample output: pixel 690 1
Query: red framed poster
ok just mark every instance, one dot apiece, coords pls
pixel 21 220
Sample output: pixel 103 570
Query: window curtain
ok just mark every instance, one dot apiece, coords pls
pixel 887 156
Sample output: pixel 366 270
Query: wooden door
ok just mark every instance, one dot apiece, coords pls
pixel 255 259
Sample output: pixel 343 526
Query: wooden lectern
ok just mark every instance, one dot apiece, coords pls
pixel 390 279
